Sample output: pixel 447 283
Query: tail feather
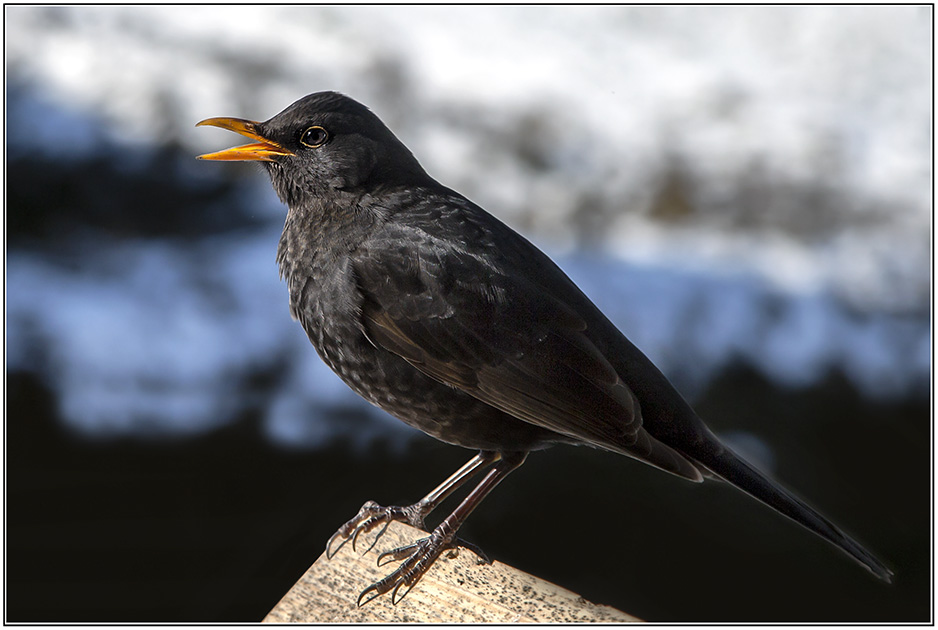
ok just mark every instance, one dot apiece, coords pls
pixel 730 467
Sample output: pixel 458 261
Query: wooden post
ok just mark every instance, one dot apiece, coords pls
pixel 456 590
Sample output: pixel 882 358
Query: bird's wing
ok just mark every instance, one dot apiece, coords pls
pixel 499 336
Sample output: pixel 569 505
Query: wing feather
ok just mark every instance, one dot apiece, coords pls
pixel 502 338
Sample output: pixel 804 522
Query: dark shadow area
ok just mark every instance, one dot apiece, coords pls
pixel 219 527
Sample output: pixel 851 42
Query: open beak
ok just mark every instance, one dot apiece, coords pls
pixel 264 150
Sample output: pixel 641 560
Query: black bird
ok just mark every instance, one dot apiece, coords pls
pixel 435 311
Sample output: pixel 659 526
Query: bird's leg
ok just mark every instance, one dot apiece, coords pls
pixel 371 515
pixel 419 556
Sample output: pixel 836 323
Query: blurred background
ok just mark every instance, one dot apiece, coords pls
pixel 744 191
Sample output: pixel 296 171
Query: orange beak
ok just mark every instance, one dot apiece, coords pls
pixel 264 150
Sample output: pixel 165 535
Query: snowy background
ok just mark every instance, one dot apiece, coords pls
pixel 737 188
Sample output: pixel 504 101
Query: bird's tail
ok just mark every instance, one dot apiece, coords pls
pixel 734 469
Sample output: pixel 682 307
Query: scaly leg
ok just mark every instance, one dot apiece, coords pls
pixel 371 515
pixel 419 556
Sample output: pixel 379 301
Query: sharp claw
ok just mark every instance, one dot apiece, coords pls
pixel 354 536
pixel 375 541
pixel 366 526
pixel 394 598
pixel 330 552
pixel 377 593
pixel 398 554
pixel 474 549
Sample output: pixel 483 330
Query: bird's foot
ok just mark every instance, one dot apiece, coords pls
pixel 417 558
pixel 370 516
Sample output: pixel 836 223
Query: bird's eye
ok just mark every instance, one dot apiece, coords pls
pixel 314 137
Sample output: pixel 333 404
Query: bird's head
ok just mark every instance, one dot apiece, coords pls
pixel 323 144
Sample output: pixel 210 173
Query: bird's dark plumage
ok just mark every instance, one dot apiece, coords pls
pixel 432 309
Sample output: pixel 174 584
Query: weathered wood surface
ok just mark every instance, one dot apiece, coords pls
pixel 455 590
